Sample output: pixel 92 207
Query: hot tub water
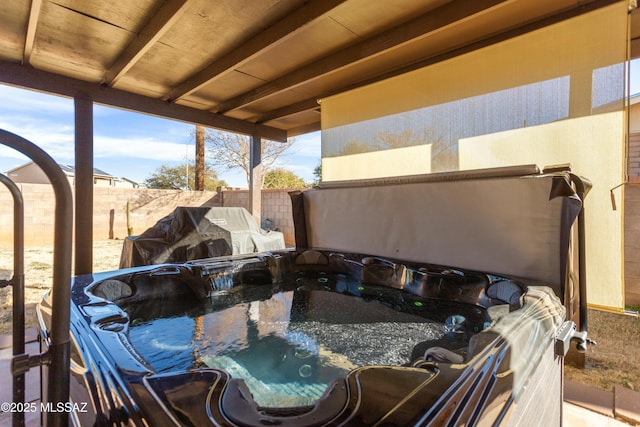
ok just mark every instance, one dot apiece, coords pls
pixel 289 341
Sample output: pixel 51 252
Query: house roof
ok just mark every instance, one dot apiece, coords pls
pixel 249 66
pixel 68 170
pixel 71 170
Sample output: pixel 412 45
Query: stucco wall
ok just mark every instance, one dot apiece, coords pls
pixel 146 208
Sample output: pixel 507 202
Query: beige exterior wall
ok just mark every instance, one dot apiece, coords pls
pixel 378 164
pixel 578 142
pixel 121 183
pixel 552 80
pixel 99 181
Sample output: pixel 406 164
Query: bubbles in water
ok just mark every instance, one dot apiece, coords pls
pixel 305 371
pixel 302 354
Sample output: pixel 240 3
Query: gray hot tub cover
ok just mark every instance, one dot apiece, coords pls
pixel 190 233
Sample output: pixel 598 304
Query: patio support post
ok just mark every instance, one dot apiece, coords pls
pixel 255 177
pixel 83 184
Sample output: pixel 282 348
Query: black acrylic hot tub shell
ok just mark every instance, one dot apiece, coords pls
pixel 108 371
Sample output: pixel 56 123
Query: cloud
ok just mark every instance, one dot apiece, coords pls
pixel 120 137
pixel 54 138
pixel 308 145
pixel 34 103
pixel 141 148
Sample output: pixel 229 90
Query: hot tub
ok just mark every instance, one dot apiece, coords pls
pixel 326 336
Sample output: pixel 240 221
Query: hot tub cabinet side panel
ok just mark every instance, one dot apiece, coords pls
pixel 540 403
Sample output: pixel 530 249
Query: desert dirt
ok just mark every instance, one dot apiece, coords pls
pixel 613 361
pixel 38 267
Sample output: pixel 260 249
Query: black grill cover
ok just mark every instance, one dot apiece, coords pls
pixel 190 233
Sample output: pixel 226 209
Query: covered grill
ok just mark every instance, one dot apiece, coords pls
pixel 199 232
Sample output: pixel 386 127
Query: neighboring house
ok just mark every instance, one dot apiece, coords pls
pixel 32 174
pixel 125 183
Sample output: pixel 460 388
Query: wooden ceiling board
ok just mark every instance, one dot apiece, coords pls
pixel 304 118
pixel 209 29
pixel 255 60
pixel 226 86
pixel 76 41
pixel 140 85
pixel 316 40
pixel 365 21
pixel 126 14
pixel 191 44
pixel 14 17
pixel 446 39
pixel 162 67
pixel 279 101
pixel 347 24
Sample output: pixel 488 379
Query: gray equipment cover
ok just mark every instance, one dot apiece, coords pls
pixel 190 233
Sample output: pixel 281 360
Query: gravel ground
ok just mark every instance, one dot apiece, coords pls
pixel 38 261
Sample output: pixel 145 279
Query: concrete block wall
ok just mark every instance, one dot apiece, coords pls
pixel 39 206
pixel 146 207
pixel 634 155
pixel 276 206
pixel 109 211
pixel 632 242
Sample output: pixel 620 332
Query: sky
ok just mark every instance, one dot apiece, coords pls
pixel 126 144
pixel 132 145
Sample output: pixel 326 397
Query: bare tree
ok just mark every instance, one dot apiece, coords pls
pixel 229 151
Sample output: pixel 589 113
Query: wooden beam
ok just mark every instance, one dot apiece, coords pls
pixel 30 38
pixel 272 36
pixel 30 78
pixel 307 104
pixel 161 22
pixel 431 21
pixel 308 128
pixel 298 107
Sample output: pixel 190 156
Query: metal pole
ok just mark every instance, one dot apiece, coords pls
pixel 199 175
pixel 255 178
pixel 17 282
pixel 59 348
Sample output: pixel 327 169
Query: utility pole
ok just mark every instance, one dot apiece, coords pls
pixel 199 179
